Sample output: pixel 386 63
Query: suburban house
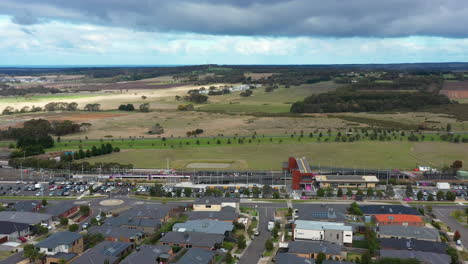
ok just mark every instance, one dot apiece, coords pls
pixel 204 226
pixel 413 244
pixel 66 245
pixel 408 232
pixel 115 233
pixel 151 211
pixel 197 256
pixel 145 225
pixel 388 209
pixel 332 232
pixel 398 219
pixel 63 210
pixel 310 249
pixel 151 254
pixel 10 231
pixel 346 181
pixel 25 217
pixel 192 239
pixel 210 203
pixel 227 214
pixel 289 258
pixel 424 257
pixel 106 251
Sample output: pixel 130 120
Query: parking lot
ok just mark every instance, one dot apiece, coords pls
pixel 42 189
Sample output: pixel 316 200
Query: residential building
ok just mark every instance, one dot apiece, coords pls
pixel 192 239
pixel 310 249
pixel 115 233
pixel 413 244
pixel 289 258
pixel 227 214
pixel 145 225
pixel 67 245
pixel 106 251
pixel 204 226
pixel 332 232
pixel 424 257
pixel 149 254
pixel 197 256
pixel 10 231
pixel 25 217
pixel 388 209
pixel 408 232
pixel 398 219
pixel 65 209
pixel 346 181
pixel 212 203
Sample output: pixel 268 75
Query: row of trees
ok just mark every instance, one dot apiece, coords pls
pixel 130 107
pixel 66 165
pixel 93 152
pixel 334 102
pixel 11 91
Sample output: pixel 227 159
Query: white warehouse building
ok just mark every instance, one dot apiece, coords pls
pixel 333 232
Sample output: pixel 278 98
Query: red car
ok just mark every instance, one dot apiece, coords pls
pixel 22 239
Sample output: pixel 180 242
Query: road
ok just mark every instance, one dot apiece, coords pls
pixel 15 258
pixel 443 213
pixel 255 250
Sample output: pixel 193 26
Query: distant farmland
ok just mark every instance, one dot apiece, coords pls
pixel 455 89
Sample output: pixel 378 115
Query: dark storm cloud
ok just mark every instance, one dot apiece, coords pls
pixel 333 18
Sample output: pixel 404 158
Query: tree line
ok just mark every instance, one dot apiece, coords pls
pixel 130 107
pixel 50 107
pixel 11 91
pixel 53 164
pixel 339 101
pixel 92 152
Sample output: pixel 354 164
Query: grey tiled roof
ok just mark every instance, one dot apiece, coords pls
pixel 60 208
pixel 193 238
pixel 146 254
pixel 204 226
pixel 130 220
pixel 7 228
pixel 312 247
pixel 426 257
pixel 59 238
pixel 388 209
pixel 24 217
pixel 66 256
pixel 288 258
pixel 115 231
pixel 196 256
pixel 413 244
pixel 409 232
pixel 103 251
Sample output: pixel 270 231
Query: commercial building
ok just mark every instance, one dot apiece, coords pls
pixel 63 210
pixel 398 219
pixel 302 176
pixel 408 232
pixel 388 209
pixel 346 181
pixel 66 245
pixel 337 233
pixel 215 204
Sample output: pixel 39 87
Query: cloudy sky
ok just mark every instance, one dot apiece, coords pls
pixel 152 32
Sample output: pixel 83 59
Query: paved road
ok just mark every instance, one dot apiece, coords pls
pixel 255 250
pixel 443 213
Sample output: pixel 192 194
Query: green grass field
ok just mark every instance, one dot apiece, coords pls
pixel 402 155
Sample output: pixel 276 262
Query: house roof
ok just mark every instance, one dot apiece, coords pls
pixel 193 238
pixel 115 231
pixel 106 250
pixel 311 247
pixel 398 218
pixel 215 200
pixel 204 226
pixel 388 209
pixel 288 258
pixel 409 232
pixel 7 228
pixel 197 256
pixel 60 208
pixel 227 213
pixel 336 262
pixel 130 220
pixel 63 255
pixel 413 244
pixel 154 211
pixel 317 225
pixel 59 238
pixel 24 217
pixel 426 257
pixel 146 254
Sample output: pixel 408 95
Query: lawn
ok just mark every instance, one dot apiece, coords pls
pixel 366 154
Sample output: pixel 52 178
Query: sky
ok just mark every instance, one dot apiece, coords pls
pixel 186 32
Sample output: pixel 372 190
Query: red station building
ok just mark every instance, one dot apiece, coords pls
pixel 302 176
